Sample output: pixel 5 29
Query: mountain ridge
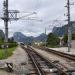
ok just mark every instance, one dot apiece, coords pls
pixel 60 31
pixel 19 37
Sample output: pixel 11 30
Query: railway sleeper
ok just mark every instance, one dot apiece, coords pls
pixel 52 70
pixel 58 70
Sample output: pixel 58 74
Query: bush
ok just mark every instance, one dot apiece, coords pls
pixel 10 45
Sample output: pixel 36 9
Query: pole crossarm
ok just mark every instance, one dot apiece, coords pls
pixel 27 15
pixel 12 15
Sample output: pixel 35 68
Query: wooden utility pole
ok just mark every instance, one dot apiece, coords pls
pixel 69 25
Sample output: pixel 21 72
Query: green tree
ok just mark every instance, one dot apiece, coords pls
pixel 66 38
pixel 73 36
pixel 52 40
pixel 1 42
pixel 11 42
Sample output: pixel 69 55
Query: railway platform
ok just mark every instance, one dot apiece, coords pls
pixel 64 50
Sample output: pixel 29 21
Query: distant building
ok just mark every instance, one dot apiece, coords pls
pixel 20 42
pixel 61 41
pixel 38 43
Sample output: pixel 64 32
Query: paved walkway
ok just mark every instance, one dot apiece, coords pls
pixel 65 50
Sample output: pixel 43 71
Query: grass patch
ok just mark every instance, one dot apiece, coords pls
pixel 4 55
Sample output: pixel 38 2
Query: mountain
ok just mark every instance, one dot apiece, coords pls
pixel 42 37
pixel 1 34
pixel 30 39
pixel 19 37
pixel 60 31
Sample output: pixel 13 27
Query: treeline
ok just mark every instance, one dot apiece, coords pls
pixel 11 43
pixel 54 41
pixel 66 37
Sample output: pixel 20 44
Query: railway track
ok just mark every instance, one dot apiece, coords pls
pixel 65 55
pixel 43 66
pixel 70 59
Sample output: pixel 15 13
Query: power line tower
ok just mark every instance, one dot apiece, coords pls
pixel 7 15
pixel 69 25
pixel 11 15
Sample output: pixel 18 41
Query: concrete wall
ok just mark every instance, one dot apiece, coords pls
pixel 73 44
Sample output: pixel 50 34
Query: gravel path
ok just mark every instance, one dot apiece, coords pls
pixel 19 56
pixel 53 57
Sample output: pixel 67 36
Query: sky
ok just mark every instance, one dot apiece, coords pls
pixel 49 13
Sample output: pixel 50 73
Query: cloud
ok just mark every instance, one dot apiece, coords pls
pixel 47 10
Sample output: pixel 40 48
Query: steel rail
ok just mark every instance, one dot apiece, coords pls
pixel 60 71
pixel 37 68
pixel 65 55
